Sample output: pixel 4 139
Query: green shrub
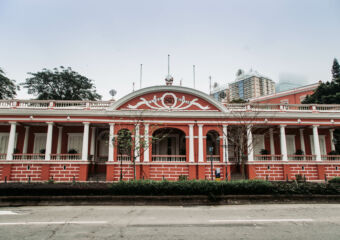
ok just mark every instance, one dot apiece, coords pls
pixel 162 188
pixel 335 180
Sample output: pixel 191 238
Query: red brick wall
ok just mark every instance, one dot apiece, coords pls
pixel 208 172
pixel 274 173
pixel 169 172
pixel 59 174
pixel 0 172
pixel 127 172
pixel 310 171
pixel 21 173
pixel 331 171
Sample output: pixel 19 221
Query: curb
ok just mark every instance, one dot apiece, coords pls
pixel 181 200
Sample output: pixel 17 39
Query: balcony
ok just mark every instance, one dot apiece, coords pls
pixel 103 105
pixel 168 158
pixel 66 157
pixel 214 158
pixel 123 158
pixel 29 156
pixel 267 157
pixel 3 156
pixel 330 157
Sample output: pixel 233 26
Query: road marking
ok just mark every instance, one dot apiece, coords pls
pixel 52 223
pixel 7 213
pixel 259 220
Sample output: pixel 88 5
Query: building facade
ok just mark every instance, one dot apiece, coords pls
pixel 174 131
pixel 251 85
pixel 292 96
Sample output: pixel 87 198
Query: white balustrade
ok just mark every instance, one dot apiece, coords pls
pixel 168 158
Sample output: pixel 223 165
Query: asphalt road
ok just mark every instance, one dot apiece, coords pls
pixel 299 221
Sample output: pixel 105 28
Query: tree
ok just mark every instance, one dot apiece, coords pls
pixel 239 100
pixel 126 142
pixel 60 84
pixel 329 92
pixel 7 87
pixel 238 135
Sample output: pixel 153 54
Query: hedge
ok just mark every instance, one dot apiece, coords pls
pixel 162 188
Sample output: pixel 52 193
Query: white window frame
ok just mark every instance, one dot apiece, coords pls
pixel 35 142
pixel 74 135
pixel 311 137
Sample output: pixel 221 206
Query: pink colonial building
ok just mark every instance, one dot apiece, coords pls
pixel 175 131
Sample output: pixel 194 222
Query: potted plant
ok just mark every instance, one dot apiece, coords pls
pixel 42 153
pixel 72 151
pixel 299 152
pixel 333 152
pixel 264 152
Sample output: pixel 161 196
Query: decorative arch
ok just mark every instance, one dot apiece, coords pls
pixel 168 98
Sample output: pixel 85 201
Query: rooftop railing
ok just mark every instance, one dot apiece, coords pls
pixel 102 105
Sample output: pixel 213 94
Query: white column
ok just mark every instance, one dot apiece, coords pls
pixel 137 145
pixel 146 143
pixel 250 144
pixel 271 138
pixel 331 134
pixel 49 141
pixel 283 143
pixel 11 141
pixel 302 141
pixel 27 131
pixel 60 136
pixel 225 143
pixel 93 140
pixel 111 146
pixel 200 143
pixel 85 149
pixel 191 143
pixel 316 143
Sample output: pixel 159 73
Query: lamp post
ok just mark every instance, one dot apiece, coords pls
pixel 211 149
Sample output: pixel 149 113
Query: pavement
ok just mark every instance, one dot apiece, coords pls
pixel 272 221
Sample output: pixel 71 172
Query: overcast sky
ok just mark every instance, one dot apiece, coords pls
pixel 108 40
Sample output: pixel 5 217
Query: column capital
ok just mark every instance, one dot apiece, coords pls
pixel 111 124
pixel 27 127
pixel 200 125
pixel 146 124
pixel 191 125
pixel 50 123
pixel 86 123
pixel 331 130
pixel 315 126
pixel 12 122
pixel 283 125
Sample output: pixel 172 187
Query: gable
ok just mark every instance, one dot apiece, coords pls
pixel 172 98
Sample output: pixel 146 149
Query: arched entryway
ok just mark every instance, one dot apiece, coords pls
pixel 168 145
pixel 213 146
pixel 124 145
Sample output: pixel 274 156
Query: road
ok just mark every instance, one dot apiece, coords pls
pixel 299 221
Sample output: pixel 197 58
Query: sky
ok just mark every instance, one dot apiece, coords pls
pixel 108 40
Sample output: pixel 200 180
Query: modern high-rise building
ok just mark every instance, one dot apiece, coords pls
pixel 250 85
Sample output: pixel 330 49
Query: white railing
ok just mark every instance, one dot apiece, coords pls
pixel 330 157
pixel 66 156
pixel 214 158
pixel 168 158
pixel 101 105
pixel 267 157
pixel 301 157
pixel 123 158
pixel 28 156
pixel 3 156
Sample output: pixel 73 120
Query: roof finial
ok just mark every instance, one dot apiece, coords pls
pixel 169 79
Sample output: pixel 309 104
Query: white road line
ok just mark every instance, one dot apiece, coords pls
pixel 259 220
pixel 7 213
pixel 52 223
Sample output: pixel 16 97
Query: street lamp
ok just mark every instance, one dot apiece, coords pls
pixel 211 149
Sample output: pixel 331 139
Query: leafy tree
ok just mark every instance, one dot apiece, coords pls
pixel 329 92
pixel 239 100
pixel 61 84
pixel 7 87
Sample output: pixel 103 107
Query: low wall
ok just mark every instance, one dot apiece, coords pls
pixel 278 171
pixel 43 171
